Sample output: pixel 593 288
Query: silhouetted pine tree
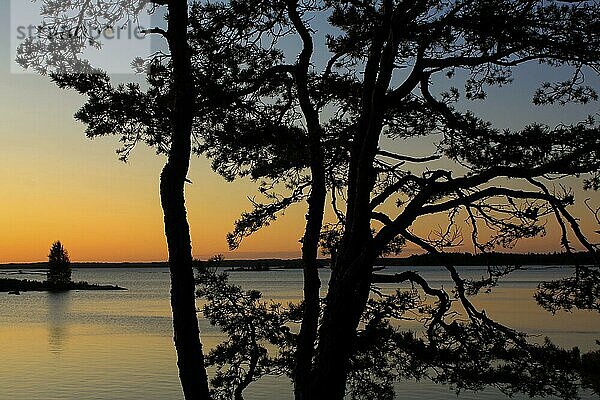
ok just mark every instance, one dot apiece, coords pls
pixel 59 266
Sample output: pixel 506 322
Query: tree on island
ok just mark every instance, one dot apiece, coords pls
pixel 59 266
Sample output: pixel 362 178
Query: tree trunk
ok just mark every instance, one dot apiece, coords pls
pixel 314 218
pixel 312 284
pixel 186 334
pixel 350 282
pixel 346 300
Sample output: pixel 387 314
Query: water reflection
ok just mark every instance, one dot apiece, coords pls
pixel 58 320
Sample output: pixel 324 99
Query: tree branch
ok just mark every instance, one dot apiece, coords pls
pixel 399 157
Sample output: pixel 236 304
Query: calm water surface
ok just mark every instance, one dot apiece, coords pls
pixel 117 345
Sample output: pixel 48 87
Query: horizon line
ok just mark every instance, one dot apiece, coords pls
pixel 12 263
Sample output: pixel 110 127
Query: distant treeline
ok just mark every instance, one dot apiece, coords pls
pixel 266 263
pixel 44 265
pixel 467 259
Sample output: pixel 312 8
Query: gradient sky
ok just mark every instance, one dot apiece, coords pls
pixel 59 185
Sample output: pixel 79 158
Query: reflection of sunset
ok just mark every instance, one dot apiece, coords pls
pixel 27 350
pixel 120 343
pixel 58 320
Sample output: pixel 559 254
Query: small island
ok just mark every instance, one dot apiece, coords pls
pixel 16 286
pixel 58 277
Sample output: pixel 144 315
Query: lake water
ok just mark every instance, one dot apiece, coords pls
pixel 106 345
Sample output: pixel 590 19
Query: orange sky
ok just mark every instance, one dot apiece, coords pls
pixel 58 185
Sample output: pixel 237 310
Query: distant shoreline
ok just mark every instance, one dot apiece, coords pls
pixel 460 259
pixel 83 265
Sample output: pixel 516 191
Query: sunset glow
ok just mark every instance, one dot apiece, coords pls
pixel 57 184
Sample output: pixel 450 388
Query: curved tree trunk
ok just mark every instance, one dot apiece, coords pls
pixel 352 273
pixel 314 218
pixel 186 334
pixel 350 282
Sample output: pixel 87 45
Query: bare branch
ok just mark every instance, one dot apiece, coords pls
pixel 473 313
pixel 408 158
